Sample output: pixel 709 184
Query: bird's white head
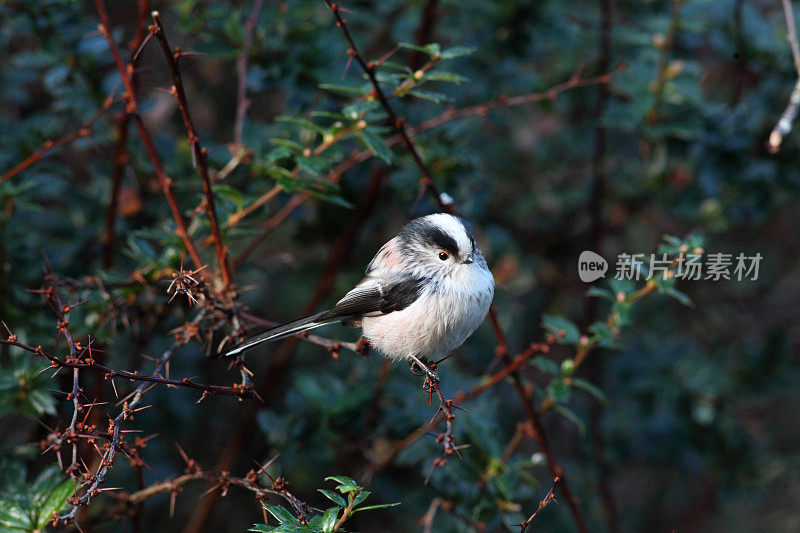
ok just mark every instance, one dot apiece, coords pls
pixel 442 243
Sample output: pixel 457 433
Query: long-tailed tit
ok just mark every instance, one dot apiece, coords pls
pixel 424 293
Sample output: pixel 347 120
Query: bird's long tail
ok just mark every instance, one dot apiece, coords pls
pixel 285 330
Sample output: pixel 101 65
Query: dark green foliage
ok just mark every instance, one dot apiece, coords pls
pixel 676 401
pixel 29 506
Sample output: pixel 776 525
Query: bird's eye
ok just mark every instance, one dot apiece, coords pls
pixel 443 256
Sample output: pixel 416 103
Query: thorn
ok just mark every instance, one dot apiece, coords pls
pixel 183 454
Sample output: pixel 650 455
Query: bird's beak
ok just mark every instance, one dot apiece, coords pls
pixel 468 260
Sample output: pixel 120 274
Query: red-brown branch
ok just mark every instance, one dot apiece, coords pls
pixel 241 72
pixel 549 497
pixel 397 123
pixel 132 107
pixel 111 373
pixel 49 145
pixel 539 434
pixel 120 152
pixel 452 113
pixel 199 153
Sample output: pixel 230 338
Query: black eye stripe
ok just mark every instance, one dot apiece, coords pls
pixel 424 232
pixel 438 238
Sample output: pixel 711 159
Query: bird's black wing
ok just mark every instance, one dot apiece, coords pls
pixel 378 298
pixel 371 297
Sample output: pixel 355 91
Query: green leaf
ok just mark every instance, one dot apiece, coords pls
pixel 559 391
pixel 546 365
pixel 42 401
pixel 343 89
pixel 624 286
pixel 588 387
pixel 431 49
pixel 54 502
pixel 333 199
pixel 571 416
pixel 228 192
pixel 302 122
pixel 329 519
pixel 596 292
pixel 343 480
pixel 441 75
pixel 434 97
pixel 286 143
pixel 328 114
pixel 280 514
pixel 380 506
pixel 375 145
pixel 358 109
pixel 314 165
pixel 335 498
pixel 604 336
pixel 457 51
pixel 360 497
pixel 13 516
pixel 558 325
pixel 681 297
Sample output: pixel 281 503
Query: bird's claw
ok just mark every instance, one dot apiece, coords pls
pixel 421 368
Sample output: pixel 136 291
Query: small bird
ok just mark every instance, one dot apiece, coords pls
pixel 424 293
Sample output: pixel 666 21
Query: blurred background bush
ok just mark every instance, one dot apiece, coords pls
pixel 697 431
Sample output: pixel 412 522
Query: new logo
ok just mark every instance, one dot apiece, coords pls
pixel 591 266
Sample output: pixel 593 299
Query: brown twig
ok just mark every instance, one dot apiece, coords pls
pixel 424 33
pixel 459 398
pixel 132 107
pixel 199 153
pixel 110 373
pixel 62 313
pixel 281 361
pixel 120 160
pixel 241 72
pixel 664 74
pixel 536 424
pixel 549 497
pixel 120 152
pixel 49 145
pixel 784 125
pixel 398 124
pixel 222 480
pixel 446 438
pixel 126 412
pixel 359 156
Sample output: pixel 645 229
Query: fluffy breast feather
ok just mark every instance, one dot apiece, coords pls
pixel 441 319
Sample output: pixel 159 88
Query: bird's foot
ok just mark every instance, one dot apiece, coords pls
pixel 420 367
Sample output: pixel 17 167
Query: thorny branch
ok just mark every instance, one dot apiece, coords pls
pixel 536 425
pixel 359 156
pixel 78 358
pixel 49 145
pixel 445 438
pixel 784 125
pixel 199 153
pixel 426 182
pixel 223 481
pixel 120 152
pixel 241 75
pixel 132 107
pixel 549 497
